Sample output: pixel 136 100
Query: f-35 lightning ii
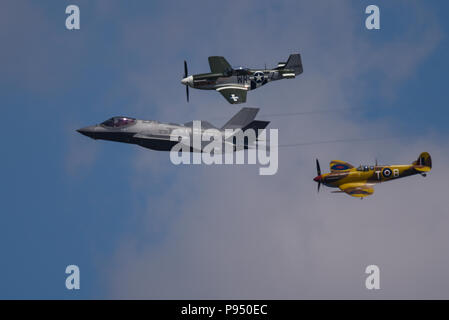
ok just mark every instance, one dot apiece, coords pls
pixel 163 136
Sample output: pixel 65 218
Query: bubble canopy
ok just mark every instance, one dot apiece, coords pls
pixel 116 122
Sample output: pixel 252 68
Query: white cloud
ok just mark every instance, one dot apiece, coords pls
pixel 229 233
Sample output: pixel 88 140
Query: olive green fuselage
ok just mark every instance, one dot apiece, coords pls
pixel 246 79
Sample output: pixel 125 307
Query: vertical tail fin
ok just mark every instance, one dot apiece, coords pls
pixel 241 118
pixel 294 63
pixel 424 162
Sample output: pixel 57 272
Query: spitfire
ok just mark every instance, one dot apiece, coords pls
pixel 359 182
pixel 234 83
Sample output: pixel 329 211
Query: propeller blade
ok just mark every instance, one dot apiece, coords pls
pixel 318 169
pixel 319 185
pixel 186 73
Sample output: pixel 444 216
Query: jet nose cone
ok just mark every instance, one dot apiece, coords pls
pixel 317 178
pixel 188 81
pixel 88 131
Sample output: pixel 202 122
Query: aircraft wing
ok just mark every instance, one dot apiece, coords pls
pixel 337 165
pixel 152 137
pixel 219 65
pixel 234 95
pixel 357 189
pixel 145 139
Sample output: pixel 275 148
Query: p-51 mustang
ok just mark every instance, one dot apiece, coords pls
pixel 233 84
pixel 163 136
pixel 359 182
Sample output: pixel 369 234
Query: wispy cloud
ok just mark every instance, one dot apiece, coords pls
pixel 229 233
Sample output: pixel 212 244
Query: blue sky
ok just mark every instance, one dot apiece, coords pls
pixel 69 200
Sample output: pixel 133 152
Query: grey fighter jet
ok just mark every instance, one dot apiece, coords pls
pixel 163 136
pixel 233 83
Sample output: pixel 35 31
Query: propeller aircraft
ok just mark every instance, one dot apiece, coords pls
pixel 233 84
pixel 359 182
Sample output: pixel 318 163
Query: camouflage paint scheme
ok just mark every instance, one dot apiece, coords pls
pixel 359 182
pixel 233 84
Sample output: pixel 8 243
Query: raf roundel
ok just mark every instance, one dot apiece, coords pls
pixel 339 167
pixel 386 172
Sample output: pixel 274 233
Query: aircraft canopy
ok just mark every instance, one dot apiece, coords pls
pixel 117 122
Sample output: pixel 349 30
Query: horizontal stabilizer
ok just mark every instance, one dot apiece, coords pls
pixel 256 125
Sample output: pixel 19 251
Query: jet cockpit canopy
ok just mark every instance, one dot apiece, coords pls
pixel 117 122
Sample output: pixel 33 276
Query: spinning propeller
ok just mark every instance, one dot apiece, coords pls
pixel 185 76
pixel 318 177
